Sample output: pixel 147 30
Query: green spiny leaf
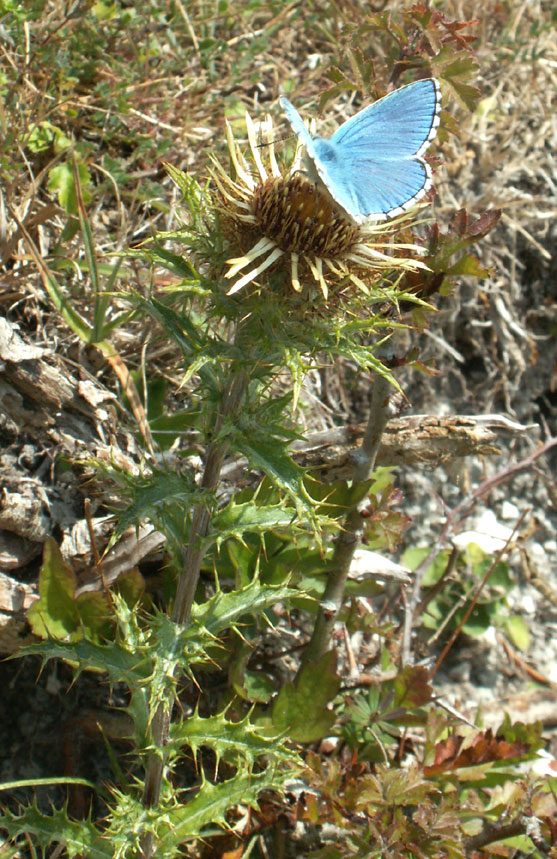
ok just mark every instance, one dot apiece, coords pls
pixel 235 520
pixel 164 497
pixel 271 456
pixel 121 665
pixel 224 610
pixel 212 805
pixel 235 742
pixel 80 838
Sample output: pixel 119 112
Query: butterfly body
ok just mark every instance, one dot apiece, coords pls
pixel 372 166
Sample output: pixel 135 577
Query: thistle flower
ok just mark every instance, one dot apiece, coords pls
pixel 275 215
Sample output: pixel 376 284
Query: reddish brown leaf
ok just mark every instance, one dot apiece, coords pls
pixel 485 748
pixel 412 687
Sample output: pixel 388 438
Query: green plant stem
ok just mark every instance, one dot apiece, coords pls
pixel 193 555
pixel 351 534
pixel 498 832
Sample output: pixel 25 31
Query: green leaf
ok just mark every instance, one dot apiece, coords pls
pixel 390 786
pixel 468 265
pixel 235 520
pixel 80 838
pixel 173 262
pixel 167 428
pixel 131 586
pixel 455 74
pixel 212 804
pixel 105 10
pixel 187 336
pixel 165 497
pixel 223 611
pixel 339 496
pixel 44 136
pixel 77 323
pixel 55 612
pixel 412 558
pixel 122 666
pixel 238 743
pixel 528 733
pixel 193 195
pixel 300 709
pixel 517 630
pixel 61 182
pixel 122 658
pixel 480 620
pixel 272 457
pixel 258 687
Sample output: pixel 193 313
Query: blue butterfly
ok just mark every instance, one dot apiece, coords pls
pixel 372 167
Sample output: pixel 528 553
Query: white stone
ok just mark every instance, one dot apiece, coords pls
pixel 489 534
pixel 509 511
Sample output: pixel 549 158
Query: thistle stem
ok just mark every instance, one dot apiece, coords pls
pixel 193 555
pixel 351 535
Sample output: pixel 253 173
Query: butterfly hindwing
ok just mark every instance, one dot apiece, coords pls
pixel 381 189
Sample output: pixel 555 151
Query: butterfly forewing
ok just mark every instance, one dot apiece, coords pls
pixel 297 123
pixel 400 125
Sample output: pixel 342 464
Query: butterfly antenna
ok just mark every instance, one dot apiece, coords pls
pixel 275 140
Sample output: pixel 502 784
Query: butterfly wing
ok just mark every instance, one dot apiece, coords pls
pixel 368 188
pixel 400 125
pixel 297 125
pixel 372 165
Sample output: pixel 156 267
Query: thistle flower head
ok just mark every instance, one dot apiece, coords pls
pixel 272 216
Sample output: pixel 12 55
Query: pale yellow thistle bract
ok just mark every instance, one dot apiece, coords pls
pixel 283 215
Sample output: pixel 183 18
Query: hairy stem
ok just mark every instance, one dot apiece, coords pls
pixel 193 555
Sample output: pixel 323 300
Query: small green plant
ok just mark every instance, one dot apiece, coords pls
pixel 450 597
